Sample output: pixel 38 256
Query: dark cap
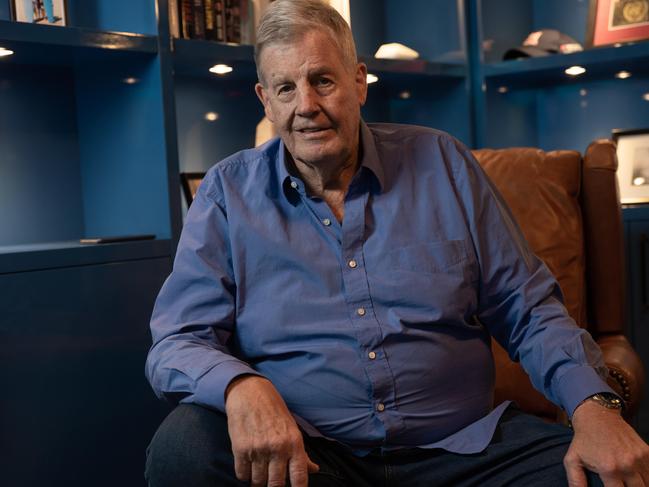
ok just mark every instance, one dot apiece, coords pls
pixel 543 43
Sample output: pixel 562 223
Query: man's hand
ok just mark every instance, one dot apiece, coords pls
pixel 266 441
pixel 604 443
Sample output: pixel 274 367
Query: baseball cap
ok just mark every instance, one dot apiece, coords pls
pixel 543 43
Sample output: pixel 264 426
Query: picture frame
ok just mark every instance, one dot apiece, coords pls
pixel 633 165
pixel 617 21
pixel 44 12
pixel 190 182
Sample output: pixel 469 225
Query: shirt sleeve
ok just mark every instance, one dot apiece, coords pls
pixel 520 301
pixel 194 315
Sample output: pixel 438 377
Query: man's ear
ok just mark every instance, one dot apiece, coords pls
pixel 262 94
pixel 361 83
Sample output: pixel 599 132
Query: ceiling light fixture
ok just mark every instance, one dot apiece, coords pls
pixel 623 75
pixel 575 70
pixel 221 69
pixel 5 52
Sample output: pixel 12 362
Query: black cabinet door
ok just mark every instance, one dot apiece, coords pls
pixel 75 407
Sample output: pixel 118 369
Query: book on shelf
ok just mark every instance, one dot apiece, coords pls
pixel 232 21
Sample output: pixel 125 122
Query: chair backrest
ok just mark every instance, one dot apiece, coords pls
pixel 569 210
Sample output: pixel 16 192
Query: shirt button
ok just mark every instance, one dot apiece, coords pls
pixel 293 185
pixel 360 311
pixel 326 222
pixel 372 355
pixel 352 263
pixel 380 407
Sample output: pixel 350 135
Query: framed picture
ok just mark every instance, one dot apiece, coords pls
pixel 616 21
pixel 48 12
pixel 190 183
pixel 633 165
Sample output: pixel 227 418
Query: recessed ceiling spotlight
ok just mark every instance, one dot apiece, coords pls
pixel 503 89
pixel 211 116
pixel 130 81
pixel 575 70
pixel 221 69
pixel 623 75
pixel 5 52
pixel 405 94
pixel 645 97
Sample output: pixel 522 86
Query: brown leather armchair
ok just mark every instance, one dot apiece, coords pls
pixel 569 210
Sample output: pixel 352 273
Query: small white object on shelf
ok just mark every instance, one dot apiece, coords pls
pixel 394 50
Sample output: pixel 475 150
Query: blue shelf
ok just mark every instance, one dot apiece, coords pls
pixel 52 255
pixel 195 57
pixel 600 63
pixel 53 45
pixel 418 68
pixel 639 212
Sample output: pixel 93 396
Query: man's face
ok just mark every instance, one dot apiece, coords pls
pixel 313 98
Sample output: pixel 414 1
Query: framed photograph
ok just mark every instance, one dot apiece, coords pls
pixel 617 21
pixel 190 183
pixel 47 12
pixel 633 165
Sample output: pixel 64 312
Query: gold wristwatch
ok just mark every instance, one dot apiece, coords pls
pixel 607 399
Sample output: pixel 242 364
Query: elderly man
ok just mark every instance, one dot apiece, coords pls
pixel 328 317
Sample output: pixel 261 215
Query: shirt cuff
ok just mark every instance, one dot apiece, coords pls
pixel 210 389
pixel 578 384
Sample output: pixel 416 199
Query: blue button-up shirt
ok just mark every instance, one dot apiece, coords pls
pixel 376 331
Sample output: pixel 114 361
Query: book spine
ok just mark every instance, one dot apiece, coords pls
pixel 210 21
pixel 174 21
pixel 199 19
pixel 247 22
pixel 232 21
pixel 219 18
pixel 186 18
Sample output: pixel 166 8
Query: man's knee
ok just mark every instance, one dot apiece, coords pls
pixel 191 447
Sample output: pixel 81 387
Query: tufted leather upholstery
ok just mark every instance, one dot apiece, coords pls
pixel 568 208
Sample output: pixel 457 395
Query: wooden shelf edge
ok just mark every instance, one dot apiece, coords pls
pixel 71 254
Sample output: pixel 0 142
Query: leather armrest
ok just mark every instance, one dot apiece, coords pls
pixel 626 372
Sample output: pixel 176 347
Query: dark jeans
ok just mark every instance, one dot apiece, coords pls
pixel 192 448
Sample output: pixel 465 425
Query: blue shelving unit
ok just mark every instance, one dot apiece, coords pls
pixel 99 118
pixel 533 102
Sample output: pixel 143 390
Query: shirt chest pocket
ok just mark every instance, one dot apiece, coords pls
pixel 428 258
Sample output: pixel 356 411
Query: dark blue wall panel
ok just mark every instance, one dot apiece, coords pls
pixel 76 409
pixel 431 27
pixel 121 134
pixel 567 16
pixel 5 11
pixel 571 116
pixel 40 195
pixel 369 30
pixel 114 15
pixel 505 24
pixel 512 119
pixel 202 143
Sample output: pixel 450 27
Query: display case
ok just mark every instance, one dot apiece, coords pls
pixel 532 101
pixel 83 138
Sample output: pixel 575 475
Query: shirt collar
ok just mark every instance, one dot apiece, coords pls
pixel 369 159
